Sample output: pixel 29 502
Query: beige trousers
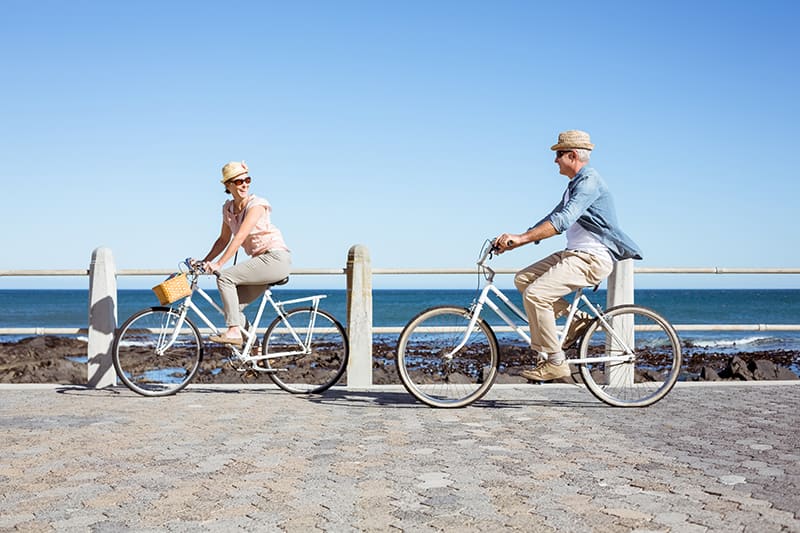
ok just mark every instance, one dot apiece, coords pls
pixel 241 284
pixel 543 285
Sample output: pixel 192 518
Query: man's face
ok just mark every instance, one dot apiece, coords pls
pixel 564 160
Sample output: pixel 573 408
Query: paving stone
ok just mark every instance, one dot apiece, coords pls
pixel 543 458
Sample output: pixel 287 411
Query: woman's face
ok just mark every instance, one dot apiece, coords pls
pixel 239 187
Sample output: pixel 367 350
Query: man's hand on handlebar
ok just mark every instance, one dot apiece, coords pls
pixel 506 241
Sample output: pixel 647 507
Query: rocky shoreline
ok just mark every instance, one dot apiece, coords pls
pixel 55 359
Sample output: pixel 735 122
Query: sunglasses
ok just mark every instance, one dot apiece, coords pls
pixel 562 153
pixel 239 181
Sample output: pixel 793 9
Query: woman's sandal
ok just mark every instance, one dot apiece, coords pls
pixel 222 339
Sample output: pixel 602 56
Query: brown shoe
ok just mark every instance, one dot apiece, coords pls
pixel 576 329
pixel 222 339
pixel 547 371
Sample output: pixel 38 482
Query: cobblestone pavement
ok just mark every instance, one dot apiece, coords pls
pixel 533 458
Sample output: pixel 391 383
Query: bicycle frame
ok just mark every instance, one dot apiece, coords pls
pixel 250 333
pixel 579 298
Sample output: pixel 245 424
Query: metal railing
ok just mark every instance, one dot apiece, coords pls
pixel 102 277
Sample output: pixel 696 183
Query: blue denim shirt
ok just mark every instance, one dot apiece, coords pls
pixel 590 205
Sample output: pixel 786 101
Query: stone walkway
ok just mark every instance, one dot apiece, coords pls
pixel 528 458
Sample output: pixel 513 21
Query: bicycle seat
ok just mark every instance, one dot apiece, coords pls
pixel 284 281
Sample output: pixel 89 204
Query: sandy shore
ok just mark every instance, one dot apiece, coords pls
pixel 53 359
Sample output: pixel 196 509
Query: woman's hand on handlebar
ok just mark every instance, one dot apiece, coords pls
pixel 212 267
pixel 200 266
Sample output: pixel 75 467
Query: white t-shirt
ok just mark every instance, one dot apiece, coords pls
pixel 582 240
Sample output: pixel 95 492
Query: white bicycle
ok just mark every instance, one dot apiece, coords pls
pixel 158 350
pixel 628 356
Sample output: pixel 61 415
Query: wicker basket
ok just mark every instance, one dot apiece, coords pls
pixel 173 289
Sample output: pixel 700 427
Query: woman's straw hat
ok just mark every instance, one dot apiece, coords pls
pixel 233 170
pixel 573 140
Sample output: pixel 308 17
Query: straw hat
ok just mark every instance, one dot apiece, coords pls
pixel 233 170
pixel 573 140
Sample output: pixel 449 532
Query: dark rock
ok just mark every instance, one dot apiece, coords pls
pixel 763 369
pixel 650 375
pixel 737 369
pixel 50 359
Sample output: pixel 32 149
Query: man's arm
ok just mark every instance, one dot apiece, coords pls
pixel 509 241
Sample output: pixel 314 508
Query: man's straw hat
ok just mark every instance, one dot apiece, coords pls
pixel 233 170
pixel 573 140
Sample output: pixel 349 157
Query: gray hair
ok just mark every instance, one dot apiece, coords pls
pixel 583 155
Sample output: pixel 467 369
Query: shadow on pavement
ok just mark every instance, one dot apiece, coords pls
pixel 342 397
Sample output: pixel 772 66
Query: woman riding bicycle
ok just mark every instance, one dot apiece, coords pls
pixel 245 222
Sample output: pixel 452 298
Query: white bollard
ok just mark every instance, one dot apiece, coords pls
pixel 102 318
pixel 359 317
pixel 620 291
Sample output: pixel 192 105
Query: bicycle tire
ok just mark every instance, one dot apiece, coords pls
pixel 306 373
pixel 136 359
pixel 656 363
pixel 438 382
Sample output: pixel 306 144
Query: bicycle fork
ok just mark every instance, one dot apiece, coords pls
pixel 167 336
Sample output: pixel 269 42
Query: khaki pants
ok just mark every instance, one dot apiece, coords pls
pixel 241 284
pixel 543 284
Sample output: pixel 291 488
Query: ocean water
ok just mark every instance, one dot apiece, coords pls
pixel 395 307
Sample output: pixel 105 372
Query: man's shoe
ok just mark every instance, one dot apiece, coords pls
pixel 547 371
pixel 576 330
pixel 222 339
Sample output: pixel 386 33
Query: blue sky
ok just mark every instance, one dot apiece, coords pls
pixel 415 128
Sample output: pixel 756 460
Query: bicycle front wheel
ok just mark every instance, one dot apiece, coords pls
pixel 653 349
pixel 151 357
pixel 431 368
pixel 307 351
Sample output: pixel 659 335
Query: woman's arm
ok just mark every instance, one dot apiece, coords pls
pixel 219 244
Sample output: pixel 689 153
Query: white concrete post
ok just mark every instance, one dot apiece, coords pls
pixel 359 317
pixel 102 318
pixel 620 291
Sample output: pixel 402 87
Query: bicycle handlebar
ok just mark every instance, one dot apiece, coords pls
pixel 486 254
pixel 197 267
pixel 489 250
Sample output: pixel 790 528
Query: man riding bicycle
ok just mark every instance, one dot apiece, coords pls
pixel 594 242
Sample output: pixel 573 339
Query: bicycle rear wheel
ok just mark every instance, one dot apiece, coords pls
pixel 432 373
pixel 151 358
pixel 315 360
pixel 655 359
